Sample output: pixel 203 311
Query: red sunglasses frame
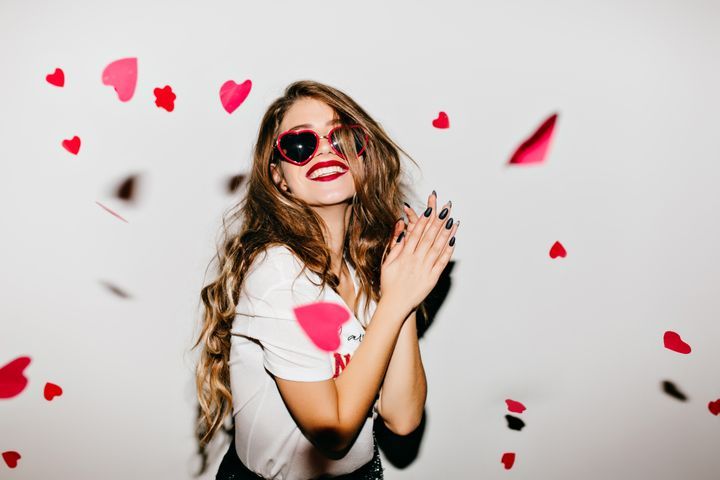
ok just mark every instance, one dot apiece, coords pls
pixel 317 144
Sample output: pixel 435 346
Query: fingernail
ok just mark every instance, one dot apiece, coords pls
pixel 449 203
pixel 449 223
pixel 457 224
pixel 443 214
pixel 434 193
pixel 407 205
pixel 427 212
pixel 400 237
pixel 452 241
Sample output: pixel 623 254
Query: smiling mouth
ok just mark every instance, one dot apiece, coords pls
pixel 329 176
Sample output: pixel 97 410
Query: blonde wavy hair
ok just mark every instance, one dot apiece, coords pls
pixel 269 216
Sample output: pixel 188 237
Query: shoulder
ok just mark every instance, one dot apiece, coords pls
pixel 275 266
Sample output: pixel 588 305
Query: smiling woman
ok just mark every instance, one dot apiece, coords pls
pixel 319 223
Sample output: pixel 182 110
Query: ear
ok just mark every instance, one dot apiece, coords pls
pixel 277 176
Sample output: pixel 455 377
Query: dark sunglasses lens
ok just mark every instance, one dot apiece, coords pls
pixel 298 147
pixel 349 134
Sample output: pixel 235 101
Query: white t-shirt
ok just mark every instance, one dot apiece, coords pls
pixel 266 335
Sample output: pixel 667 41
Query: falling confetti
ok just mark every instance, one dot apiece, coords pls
pixel 672 390
pixel 508 459
pixel 122 76
pixel 56 78
pixel 234 183
pixel 321 321
pixel 714 407
pixel 127 188
pixel 514 423
pixel 115 289
pixel 442 121
pixel 534 149
pixel 72 145
pixel 165 98
pixel 11 458
pixel 51 391
pixel 233 95
pixel 557 250
pixel 673 342
pixel 12 378
pixel 515 407
pixel 106 208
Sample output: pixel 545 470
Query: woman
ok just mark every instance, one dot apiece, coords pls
pixel 322 207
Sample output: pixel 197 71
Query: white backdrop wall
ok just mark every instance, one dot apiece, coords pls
pixel 629 187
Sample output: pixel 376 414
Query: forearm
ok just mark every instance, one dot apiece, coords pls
pixel 404 390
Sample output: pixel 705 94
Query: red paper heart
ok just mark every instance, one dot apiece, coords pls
pixel 321 321
pixel 122 76
pixel 72 145
pixel 12 379
pixel 714 407
pixel 56 78
pixel 52 391
pixel 673 342
pixel 557 250
pixel 534 149
pixel 442 121
pixel 233 95
pixel 508 459
pixel 11 458
pixel 515 407
pixel 165 98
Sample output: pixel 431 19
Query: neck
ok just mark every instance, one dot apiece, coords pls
pixel 336 218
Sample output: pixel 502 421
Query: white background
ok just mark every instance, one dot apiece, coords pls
pixel 630 188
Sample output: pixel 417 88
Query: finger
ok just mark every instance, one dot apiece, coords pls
pixel 396 248
pixel 432 231
pixel 446 253
pixel 414 237
pixel 412 217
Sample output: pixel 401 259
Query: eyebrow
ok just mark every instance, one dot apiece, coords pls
pixel 307 125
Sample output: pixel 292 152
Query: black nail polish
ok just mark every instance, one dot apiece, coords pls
pixel 434 193
pixel 449 223
pixel 406 205
pixel 428 211
pixel 443 214
pixel 400 237
pixel 452 241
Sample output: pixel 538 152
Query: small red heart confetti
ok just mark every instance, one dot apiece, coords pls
pixel 714 407
pixel 11 458
pixel 557 250
pixel 56 78
pixel 321 321
pixel 106 208
pixel 12 378
pixel 233 95
pixel 508 459
pixel 72 145
pixel 515 407
pixel 165 98
pixel 534 149
pixel 442 121
pixel 122 76
pixel 673 342
pixel 52 391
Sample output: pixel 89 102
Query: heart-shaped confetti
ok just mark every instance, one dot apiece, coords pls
pixel 72 145
pixel 534 149
pixel 673 342
pixel 122 76
pixel 321 321
pixel 714 407
pixel 51 391
pixel 232 95
pixel 165 98
pixel 557 250
pixel 56 78
pixel 12 378
pixel 11 458
pixel 515 407
pixel 508 459
pixel 442 121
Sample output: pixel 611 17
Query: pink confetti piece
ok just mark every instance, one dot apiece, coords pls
pixel 232 95
pixel 515 407
pixel 11 458
pixel 56 78
pixel 122 76
pixel 165 98
pixel 557 250
pixel 12 377
pixel 106 208
pixel 534 149
pixel 508 459
pixel 673 342
pixel 51 391
pixel 72 145
pixel 714 407
pixel 321 321
pixel 442 121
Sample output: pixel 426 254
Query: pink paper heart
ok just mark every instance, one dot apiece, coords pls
pixel 12 378
pixel 233 95
pixel 51 391
pixel 534 149
pixel 321 321
pixel 442 121
pixel 557 250
pixel 56 78
pixel 11 458
pixel 72 145
pixel 515 407
pixel 122 75
pixel 673 342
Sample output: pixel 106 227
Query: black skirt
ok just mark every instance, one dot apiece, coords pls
pixel 231 468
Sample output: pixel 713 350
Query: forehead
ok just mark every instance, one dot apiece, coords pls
pixel 309 111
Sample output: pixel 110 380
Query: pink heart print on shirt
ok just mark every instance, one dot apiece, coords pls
pixel 72 145
pixel 233 95
pixel 321 321
pixel 515 407
pixel 12 379
pixel 673 342
pixel 442 121
pixel 56 78
pixel 534 149
pixel 122 76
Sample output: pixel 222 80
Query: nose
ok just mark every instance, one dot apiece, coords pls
pixel 324 145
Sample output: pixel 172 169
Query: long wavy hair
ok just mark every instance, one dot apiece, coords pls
pixel 270 216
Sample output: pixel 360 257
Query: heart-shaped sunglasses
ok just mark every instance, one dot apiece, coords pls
pixel 299 146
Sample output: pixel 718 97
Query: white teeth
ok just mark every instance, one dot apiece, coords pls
pixel 320 172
